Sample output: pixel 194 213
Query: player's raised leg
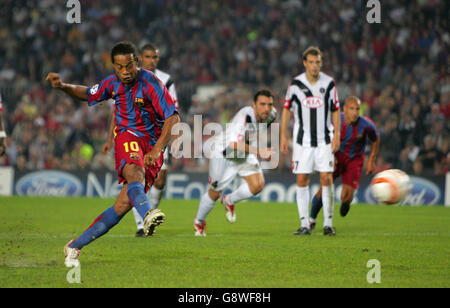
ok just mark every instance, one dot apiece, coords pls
pixel 251 186
pixel 135 176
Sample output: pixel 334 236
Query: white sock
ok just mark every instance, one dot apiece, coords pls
pixel 138 219
pixel 205 206
pixel 243 192
pixel 155 196
pixel 303 205
pixel 328 205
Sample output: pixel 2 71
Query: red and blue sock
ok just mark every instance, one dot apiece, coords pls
pixel 99 227
pixel 138 198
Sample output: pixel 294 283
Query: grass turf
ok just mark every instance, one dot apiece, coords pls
pixel 412 245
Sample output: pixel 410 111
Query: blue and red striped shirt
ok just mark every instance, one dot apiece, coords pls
pixel 141 108
pixel 354 137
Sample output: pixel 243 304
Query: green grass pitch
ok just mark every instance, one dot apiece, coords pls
pixel 412 245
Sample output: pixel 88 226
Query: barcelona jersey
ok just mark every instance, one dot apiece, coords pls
pixel 354 137
pixel 141 108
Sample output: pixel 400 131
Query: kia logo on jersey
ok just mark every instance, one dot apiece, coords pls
pixel 312 102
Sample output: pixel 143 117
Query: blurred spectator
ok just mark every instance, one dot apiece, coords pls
pixel 228 49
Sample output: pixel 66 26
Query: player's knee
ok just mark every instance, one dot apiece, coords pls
pixel 326 179
pixel 134 173
pixel 257 187
pixel 160 182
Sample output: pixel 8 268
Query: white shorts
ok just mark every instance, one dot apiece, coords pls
pixel 305 160
pixel 165 165
pixel 223 171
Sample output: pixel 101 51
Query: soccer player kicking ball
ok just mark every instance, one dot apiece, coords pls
pixel 235 153
pixel 355 131
pixel 149 59
pixel 144 114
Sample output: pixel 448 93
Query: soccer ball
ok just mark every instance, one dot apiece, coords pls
pixel 390 186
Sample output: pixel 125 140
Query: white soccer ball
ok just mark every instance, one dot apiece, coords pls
pixel 390 186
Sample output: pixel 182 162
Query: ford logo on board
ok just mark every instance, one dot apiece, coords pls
pixel 49 183
pixel 423 192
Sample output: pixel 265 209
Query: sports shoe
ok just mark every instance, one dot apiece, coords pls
pixel 200 228
pixel 312 226
pixel 329 231
pixel 140 233
pixel 153 219
pixel 229 208
pixel 345 207
pixel 71 255
pixel 302 231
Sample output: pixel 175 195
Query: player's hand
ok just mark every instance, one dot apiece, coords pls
pixel 106 147
pixel 335 144
pixel 284 145
pixel 2 147
pixel 266 154
pixel 152 157
pixel 54 79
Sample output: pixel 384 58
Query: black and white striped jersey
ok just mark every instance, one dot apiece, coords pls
pixel 312 106
pixel 168 82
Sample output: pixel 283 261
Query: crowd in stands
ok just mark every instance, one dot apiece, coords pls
pixel 399 68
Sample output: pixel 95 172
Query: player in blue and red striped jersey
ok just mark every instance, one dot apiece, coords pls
pixel 144 116
pixel 349 160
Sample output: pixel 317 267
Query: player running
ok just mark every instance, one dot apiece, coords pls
pixel 149 59
pixel 235 153
pixel 355 131
pixel 312 98
pixel 145 114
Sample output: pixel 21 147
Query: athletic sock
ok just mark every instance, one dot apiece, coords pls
pixel 138 198
pixel 155 196
pixel 204 208
pixel 99 227
pixel 303 205
pixel 316 206
pixel 328 205
pixel 138 219
pixel 242 193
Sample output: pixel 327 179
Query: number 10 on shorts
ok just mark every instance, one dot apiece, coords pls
pixel 133 146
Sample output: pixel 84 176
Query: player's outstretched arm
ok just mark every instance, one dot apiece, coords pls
pixel 151 157
pixel 75 91
pixel 373 156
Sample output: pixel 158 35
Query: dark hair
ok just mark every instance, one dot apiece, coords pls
pixel 264 92
pixel 148 47
pixel 312 50
pixel 124 48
